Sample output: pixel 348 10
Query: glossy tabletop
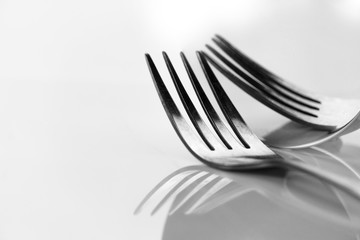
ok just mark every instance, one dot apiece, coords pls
pixel 86 149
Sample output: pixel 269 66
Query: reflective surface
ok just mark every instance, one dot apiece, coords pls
pixel 203 203
pixel 84 137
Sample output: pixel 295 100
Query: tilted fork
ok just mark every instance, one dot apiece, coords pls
pixel 339 116
pixel 244 151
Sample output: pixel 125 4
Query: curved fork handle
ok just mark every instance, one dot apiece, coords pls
pixel 350 186
pixel 354 125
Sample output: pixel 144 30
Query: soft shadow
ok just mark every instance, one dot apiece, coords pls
pixel 206 203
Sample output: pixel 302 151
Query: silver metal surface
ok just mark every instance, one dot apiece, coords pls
pixel 332 116
pixel 243 149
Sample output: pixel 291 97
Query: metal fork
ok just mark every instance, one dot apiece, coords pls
pixel 241 150
pixel 339 116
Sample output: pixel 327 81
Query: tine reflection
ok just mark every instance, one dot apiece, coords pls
pixel 200 191
pixel 197 195
pixel 305 207
pixel 190 190
pixel 211 193
pixel 161 184
pixel 172 191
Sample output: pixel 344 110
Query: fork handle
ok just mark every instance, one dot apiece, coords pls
pixel 350 186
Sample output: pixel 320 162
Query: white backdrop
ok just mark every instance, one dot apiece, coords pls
pixel 82 134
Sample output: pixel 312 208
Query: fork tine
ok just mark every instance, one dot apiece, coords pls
pixel 263 85
pixel 200 126
pixel 235 120
pixel 263 96
pixel 257 70
pixel 182 128
pixel 210 112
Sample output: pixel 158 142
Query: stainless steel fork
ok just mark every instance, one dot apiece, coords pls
pixel 340 116
pixel 235 149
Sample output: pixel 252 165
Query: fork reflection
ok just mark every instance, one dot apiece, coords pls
pixel 199 196
pixel 195 189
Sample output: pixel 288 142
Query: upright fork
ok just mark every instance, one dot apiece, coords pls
pixel 241 150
